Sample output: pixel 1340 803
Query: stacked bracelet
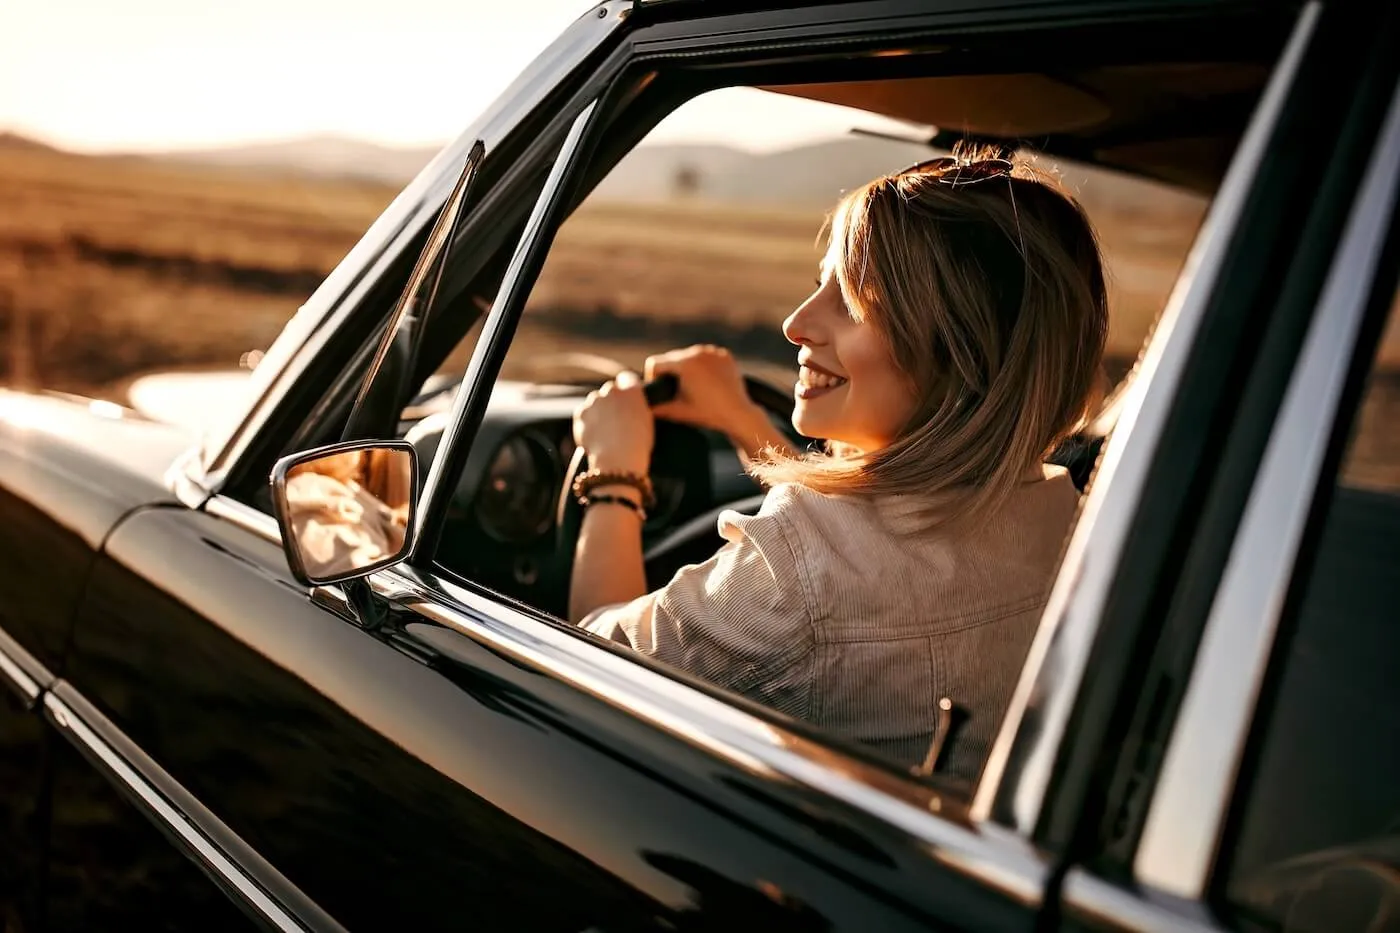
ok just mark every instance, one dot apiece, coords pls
pixel 586 501
pixel 592 479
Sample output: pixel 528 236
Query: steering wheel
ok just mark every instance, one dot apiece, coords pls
pixel 697 535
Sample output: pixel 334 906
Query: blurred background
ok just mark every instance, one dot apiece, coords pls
pixel 176 178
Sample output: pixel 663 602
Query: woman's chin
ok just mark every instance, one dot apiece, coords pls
pixel 805 423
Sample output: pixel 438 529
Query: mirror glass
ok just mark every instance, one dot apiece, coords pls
pixel 345 510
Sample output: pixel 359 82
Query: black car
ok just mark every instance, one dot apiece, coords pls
pixel 1206 732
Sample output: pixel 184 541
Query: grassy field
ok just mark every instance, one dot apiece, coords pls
pixel 114 267
pixel 111 267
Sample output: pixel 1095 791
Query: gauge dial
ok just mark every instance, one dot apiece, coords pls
pixel 515 503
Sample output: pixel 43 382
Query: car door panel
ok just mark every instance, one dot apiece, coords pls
pixel 67 475
pixel 110 868
pixel 310 738
pixel 413 777
pixel 22 802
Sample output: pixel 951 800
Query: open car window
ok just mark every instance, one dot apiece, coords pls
pixel 689 240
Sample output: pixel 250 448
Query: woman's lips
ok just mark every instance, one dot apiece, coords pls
pixel 813 382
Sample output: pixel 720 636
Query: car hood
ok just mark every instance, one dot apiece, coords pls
pixel 192 400
pixel 57 430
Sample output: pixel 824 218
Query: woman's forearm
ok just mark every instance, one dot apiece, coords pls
pixel 608 558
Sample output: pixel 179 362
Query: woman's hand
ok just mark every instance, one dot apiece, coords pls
pixel 615 426
pixel 711 392
pixel 711 395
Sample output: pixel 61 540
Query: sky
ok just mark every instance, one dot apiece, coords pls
pixel 157 75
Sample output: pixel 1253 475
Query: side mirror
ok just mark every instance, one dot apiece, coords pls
pixel 345 510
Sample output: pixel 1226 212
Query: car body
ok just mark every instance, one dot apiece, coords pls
pixel 194 740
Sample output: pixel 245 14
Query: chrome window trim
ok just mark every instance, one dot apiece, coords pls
pixel 988 853
pixel 87 737
pixel 1182 831
pixel 1101 904
pixel 16 665
pixel 245 517
pixel 1018 772
pixel 207 464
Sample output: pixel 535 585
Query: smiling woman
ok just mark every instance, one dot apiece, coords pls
pixel 965 323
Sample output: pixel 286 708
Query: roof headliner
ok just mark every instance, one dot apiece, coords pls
pixel 1175 122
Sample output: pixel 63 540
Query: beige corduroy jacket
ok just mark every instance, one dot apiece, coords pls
pixel 831 610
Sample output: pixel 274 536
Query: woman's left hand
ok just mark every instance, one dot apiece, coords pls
pixel 615 426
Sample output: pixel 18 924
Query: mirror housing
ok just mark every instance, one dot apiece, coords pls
pixel 345 510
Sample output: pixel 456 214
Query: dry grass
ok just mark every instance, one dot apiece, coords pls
pixel 110 267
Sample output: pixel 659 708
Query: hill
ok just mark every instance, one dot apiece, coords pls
pixel 14 142
pixel 807 176
pixel 334 156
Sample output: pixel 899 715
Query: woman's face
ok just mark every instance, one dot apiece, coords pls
pixel 848 387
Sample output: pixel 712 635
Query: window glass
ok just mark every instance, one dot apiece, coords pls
pixel 710 232
pixel 1318 846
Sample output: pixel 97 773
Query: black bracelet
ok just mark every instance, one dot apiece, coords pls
pixel 616 500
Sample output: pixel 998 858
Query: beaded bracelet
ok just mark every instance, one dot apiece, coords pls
pixel 592 479
pixel 614 500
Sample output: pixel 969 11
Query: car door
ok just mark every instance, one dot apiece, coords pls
pixel 981 876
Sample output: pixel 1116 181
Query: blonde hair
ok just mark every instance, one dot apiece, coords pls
pixel 992 299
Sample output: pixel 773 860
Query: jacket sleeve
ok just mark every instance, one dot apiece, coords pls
pixel 741 620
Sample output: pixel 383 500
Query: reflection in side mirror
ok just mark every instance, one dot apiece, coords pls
pixel 345 510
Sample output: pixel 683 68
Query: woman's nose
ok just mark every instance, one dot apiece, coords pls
pixel 798 327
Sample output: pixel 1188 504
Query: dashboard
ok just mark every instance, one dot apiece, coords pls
pixel 503 528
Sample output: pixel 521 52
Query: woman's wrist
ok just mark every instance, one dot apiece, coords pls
pixel 609 462
pixel 617 490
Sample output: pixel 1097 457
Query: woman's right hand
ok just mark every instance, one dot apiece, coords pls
pixel 711 394
pixel 711 391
